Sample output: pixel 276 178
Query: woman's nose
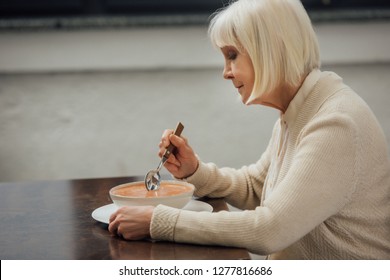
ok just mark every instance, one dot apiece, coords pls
pixel 227 73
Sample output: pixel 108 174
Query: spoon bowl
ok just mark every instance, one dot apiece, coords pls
pixel 153 178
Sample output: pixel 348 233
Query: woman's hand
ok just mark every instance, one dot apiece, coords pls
pixel 132 222
pixel 182 162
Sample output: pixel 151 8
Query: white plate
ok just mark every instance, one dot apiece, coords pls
pixel 103 213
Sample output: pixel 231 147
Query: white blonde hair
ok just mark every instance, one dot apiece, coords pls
pixel 276 34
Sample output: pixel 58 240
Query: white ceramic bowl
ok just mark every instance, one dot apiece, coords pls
pixel 171 193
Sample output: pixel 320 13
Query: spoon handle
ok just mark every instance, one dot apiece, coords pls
pixel 171 147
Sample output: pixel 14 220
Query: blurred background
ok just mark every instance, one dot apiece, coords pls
pixel 87 87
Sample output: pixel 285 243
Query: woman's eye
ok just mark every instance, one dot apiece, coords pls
pixel 232 55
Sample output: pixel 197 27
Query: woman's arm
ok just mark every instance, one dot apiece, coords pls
pixel 319 182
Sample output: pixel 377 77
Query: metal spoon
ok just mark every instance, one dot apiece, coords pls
pixel 153 178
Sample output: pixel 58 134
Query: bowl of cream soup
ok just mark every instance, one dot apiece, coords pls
pixel 171 193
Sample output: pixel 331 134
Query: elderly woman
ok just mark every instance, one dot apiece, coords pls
pixel 321 189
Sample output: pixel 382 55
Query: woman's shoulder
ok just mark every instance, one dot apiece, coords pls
pixel 341 106
pixel 344 101
pixel 332 95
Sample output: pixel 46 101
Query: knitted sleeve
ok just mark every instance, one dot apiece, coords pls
pixel 242 187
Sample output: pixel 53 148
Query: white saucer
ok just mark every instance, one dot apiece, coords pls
pixel 103 213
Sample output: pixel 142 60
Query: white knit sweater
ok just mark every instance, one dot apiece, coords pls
pixel 321 190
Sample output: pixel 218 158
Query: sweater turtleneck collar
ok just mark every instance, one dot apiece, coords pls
pixel 306 88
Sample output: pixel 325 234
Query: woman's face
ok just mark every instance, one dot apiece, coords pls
pixel 239 69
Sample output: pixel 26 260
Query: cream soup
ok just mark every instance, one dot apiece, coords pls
pixel 141 191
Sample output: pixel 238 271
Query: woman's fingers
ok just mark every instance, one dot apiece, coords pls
pixel 131 222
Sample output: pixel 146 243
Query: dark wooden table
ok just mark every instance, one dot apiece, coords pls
pixel 51 220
